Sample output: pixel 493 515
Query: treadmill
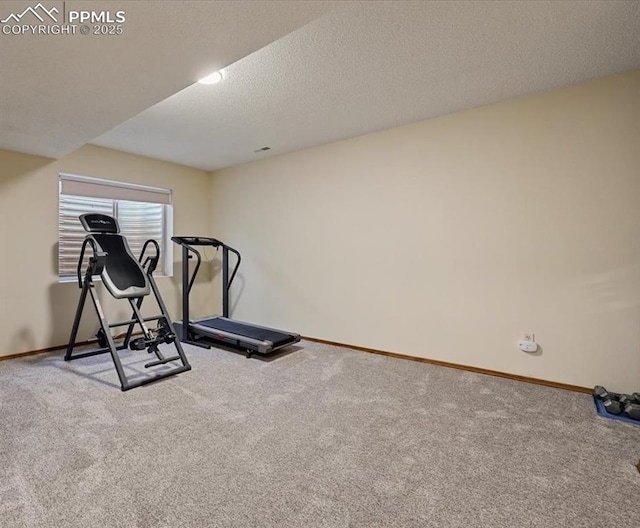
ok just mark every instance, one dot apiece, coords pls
pixel 221 330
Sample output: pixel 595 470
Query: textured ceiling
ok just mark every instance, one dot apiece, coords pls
pixel 59 92
pixel 370 66
pixel 354 68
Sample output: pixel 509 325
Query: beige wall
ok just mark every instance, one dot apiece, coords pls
pixel 445 239
pixel 450 238
pixel 37 310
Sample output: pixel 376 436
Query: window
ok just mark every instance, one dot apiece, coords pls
pixel 142 212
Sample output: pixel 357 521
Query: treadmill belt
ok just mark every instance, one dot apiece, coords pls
pixel 247 330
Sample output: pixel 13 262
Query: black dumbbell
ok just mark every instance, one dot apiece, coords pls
pixel 609 400
pixel 630 398
pixel 632 410
pixel 102 339
pixel 625 399
pixel 612 406
pixel 603 394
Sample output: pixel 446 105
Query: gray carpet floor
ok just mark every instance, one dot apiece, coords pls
pixel 320 437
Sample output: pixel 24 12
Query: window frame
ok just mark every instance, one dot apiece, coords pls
pixel 166 256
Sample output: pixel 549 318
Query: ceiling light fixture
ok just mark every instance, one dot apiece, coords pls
pixel 213 78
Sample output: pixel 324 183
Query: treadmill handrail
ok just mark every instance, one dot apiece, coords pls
pixel 235 269
pixel 195 270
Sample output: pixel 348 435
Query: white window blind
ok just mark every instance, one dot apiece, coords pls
pixel 142 212
pixel 140 221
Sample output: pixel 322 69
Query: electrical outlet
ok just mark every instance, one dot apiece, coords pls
pixel 529 337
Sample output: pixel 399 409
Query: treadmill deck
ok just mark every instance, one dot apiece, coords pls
pixel 245 335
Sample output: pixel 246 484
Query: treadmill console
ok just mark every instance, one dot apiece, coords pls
pixel 197 241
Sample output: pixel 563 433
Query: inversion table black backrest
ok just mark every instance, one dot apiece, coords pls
pixel 122 274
